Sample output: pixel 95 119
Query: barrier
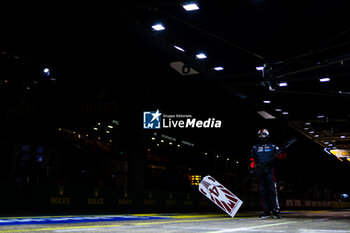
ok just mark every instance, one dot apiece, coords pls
pixel 71 197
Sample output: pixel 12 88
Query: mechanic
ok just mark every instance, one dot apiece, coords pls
pixel 262 164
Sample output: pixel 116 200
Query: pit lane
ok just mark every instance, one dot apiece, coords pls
pixel 292 221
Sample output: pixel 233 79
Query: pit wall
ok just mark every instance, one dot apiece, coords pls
pixel 68 197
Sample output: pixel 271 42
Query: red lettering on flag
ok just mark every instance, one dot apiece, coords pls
pixel 202 191
pixel 210 178
pixel 214 191
pixel 219 203
pixel 231 198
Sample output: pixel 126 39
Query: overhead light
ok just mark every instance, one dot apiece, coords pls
pixel 46 71
pixel 218 68
pixel 201 56
pixel 283 84
pixel 260 68
pixel 179 48
pixel 110 126
pixel 320 116
pixel 285 113
pixel 191 7
pixel 158 27
pixel 322 80
pixel 342 137
pixel 267 102
pixel 278 110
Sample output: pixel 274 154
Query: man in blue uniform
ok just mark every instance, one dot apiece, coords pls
pixel 261 162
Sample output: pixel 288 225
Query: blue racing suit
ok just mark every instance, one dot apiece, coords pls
pixel 261 154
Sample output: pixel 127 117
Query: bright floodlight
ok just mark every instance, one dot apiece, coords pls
pixel 191 7
pixel 218 68
pixel 267 102
pixel 158 27
pixel 201 56
pixel 322 80
pixel 259 68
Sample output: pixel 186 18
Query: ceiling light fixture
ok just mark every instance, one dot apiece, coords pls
pixel 218 68
pixel 283 84
pixel 179 48
pixel 190 7
pixel 201 56
pixel 46 72
pixel 323 80
pixel 260 68
pixel 158 27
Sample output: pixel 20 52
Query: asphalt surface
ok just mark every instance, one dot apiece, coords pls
pixel 337 221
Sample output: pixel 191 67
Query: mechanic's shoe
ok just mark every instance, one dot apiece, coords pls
pixel 276 214
pixel 265 215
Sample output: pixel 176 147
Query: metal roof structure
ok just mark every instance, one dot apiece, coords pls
pixel 297 44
